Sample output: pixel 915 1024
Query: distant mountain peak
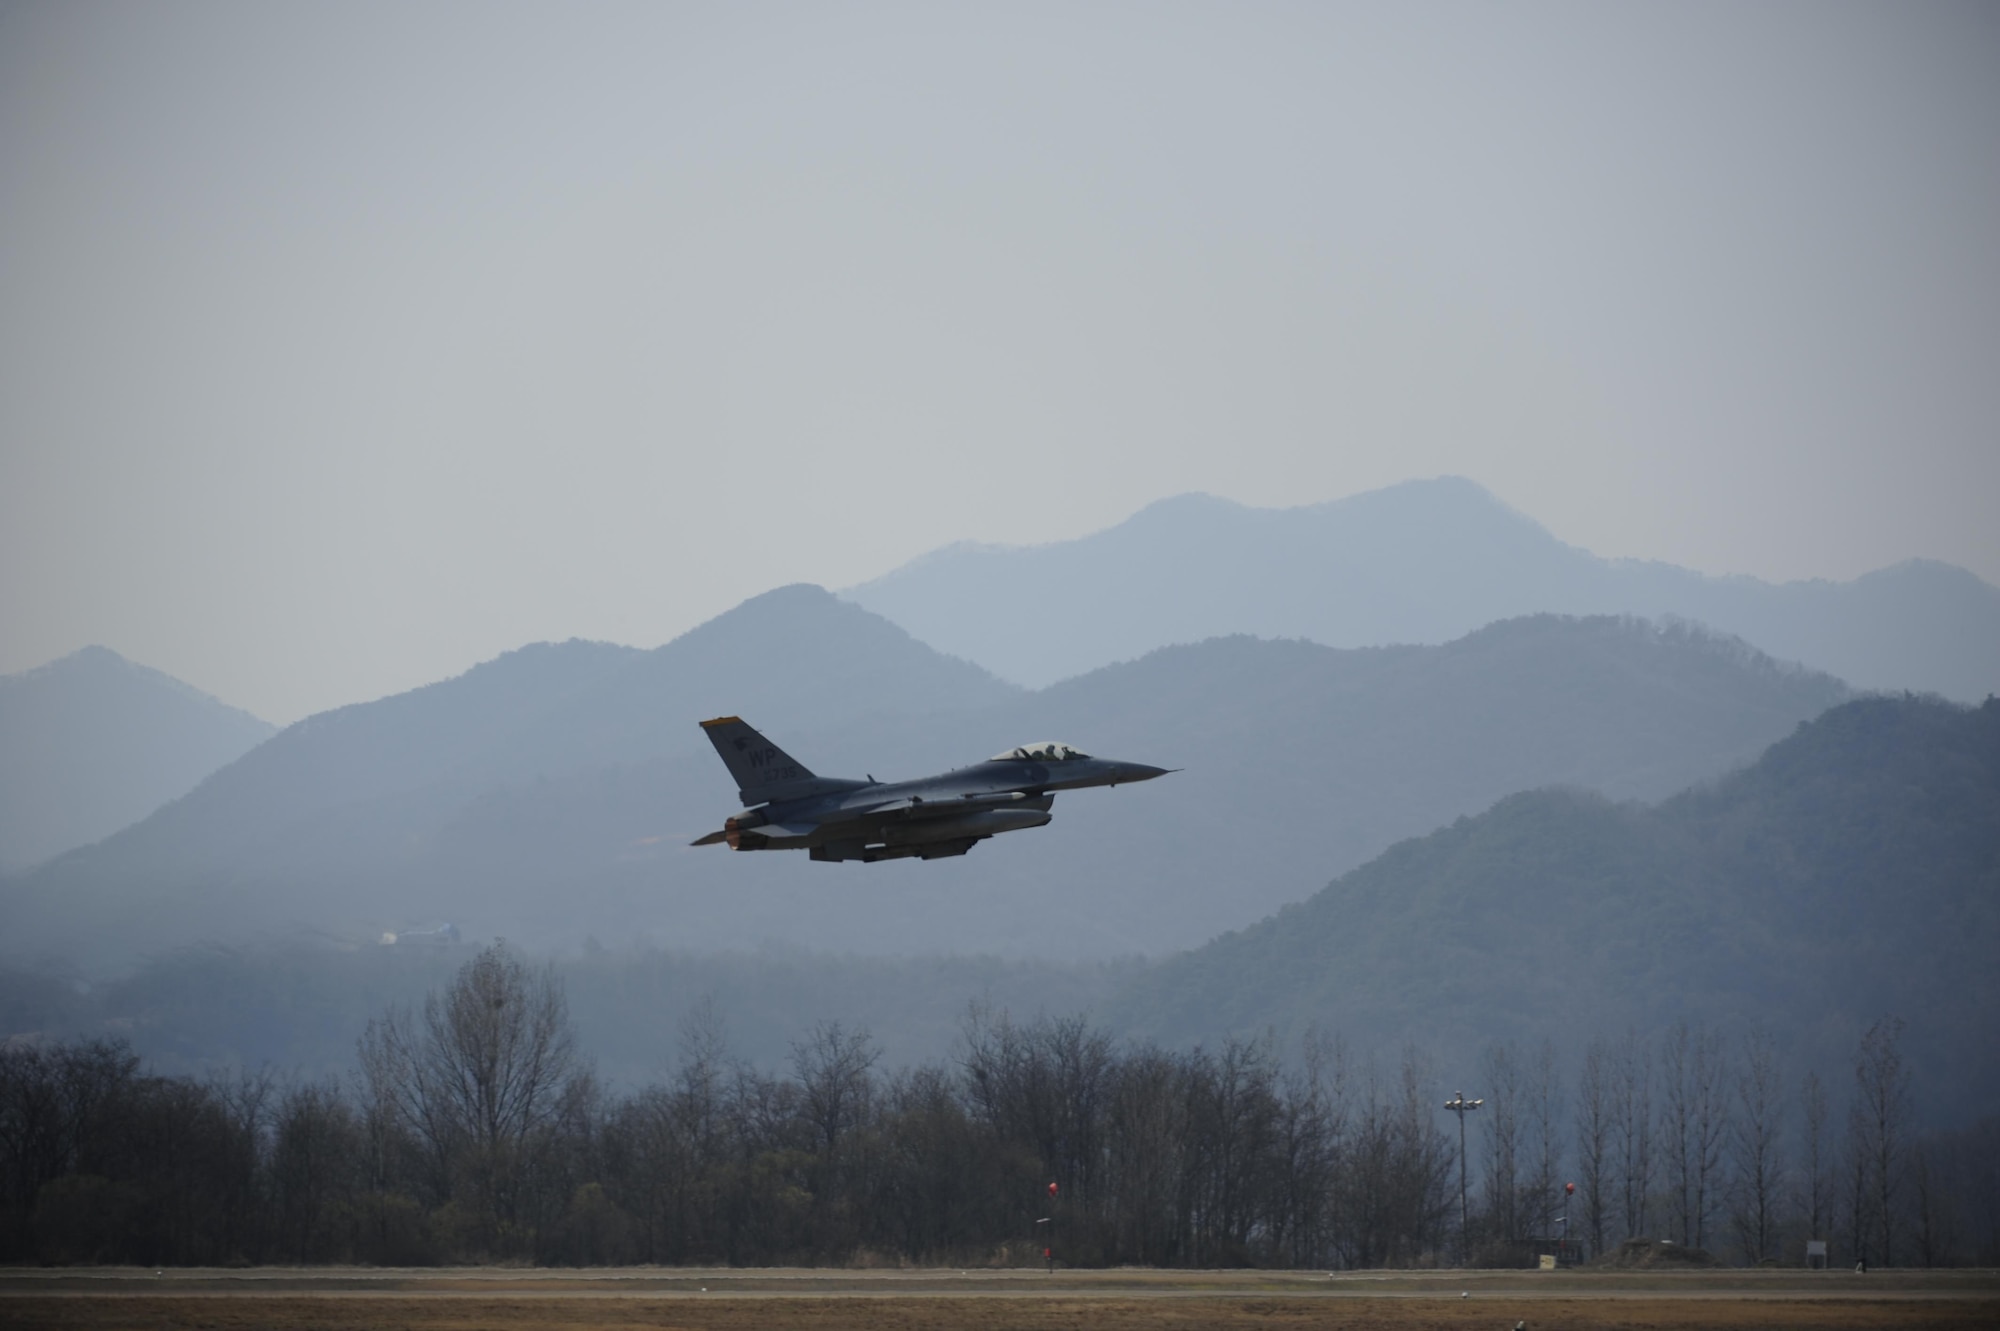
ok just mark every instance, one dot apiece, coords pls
pixel 791 594
pixel 1422 561
pixel 92 657
pixel 1434 498
pixel 94 654
pixel 92 742
pixel 790 609
pixel 805 626
pixel 102 664
pixel 1440 495
pixel 1191 503
pixel 789 602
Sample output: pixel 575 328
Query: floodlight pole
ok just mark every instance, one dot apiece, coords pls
pixel 1461 1107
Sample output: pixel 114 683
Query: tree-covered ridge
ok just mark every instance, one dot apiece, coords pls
pixel 1854 869
pixel 1672 998
pixel 549 795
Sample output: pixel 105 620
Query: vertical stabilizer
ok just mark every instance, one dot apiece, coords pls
pixel 763 771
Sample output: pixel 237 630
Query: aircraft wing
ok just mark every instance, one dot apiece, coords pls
pixel 950 807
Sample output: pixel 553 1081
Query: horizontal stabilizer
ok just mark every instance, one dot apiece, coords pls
pixel 756 833
pixel 782 830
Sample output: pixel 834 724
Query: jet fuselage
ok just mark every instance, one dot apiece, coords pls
pixel 930 818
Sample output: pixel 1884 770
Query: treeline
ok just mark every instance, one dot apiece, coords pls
pixel 475 1131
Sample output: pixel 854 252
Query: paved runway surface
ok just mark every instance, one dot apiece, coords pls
pixel 980 1300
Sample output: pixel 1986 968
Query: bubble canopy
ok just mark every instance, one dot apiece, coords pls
pixel 1045 751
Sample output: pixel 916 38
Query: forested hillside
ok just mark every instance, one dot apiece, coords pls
pixel 548 796
pixel 1760 1010
pixel 1853 871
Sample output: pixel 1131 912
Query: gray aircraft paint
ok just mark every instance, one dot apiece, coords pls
pixel 933 817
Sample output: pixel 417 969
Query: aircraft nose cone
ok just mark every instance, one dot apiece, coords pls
pixel 1141 772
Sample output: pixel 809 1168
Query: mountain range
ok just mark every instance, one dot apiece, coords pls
pixel 91 743
pixel 1851 872
pixel 548 795
pixel 1421 562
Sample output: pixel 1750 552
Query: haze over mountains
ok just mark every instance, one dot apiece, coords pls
pixel 548 795
pixel 91 743
pixel 1421 562
pixel 1853 871
pixel 1849 873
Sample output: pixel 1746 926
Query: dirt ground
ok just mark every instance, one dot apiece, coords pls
pixel 347 1300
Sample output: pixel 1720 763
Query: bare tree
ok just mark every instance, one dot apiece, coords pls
pixel 1426 1160
pixel 832 1065
pixel 1857 1197
pixel 668 1145
pixel 1311 1129
pixel 1235 1111
pixel 316 1164
pixel 1542 1101
pixel 1202 1157
pixel 480 1079
pixel 1503 1142
pixel 1933 1227
pixel 1046 1086
pixel 1756 1141
pixel 1677 1129
pixel 1954 1207
pixel 1632 1131
pixel 242 1103
pixel 1147 1124
pixel 699 1110
pixel 1709 1097
pixel 1694 1123
pixel 1815 1185
pixel 57 1106
pixel 1594 1113
pixel 1881 1086
pixel 937 1188
pixel 1396 1183
pixel 1080 1062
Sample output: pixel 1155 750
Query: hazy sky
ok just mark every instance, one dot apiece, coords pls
pixel 342 347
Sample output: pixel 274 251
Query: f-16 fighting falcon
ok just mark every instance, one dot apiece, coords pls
pixel 832 818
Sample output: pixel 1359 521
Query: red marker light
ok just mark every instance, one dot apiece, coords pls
pixel 1569 1187
pixel 1052 1189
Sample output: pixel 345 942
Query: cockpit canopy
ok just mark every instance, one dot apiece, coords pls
pixel 1046 751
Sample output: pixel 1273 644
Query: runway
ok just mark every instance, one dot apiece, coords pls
pixel 337 1299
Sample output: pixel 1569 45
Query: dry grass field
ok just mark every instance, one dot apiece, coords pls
pixel 737 1300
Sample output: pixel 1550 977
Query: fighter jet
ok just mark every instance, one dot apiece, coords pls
pixel 833 818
